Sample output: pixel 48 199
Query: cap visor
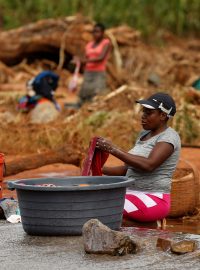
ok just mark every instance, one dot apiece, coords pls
pixel 146 104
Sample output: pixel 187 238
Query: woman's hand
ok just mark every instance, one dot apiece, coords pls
pixel 105 145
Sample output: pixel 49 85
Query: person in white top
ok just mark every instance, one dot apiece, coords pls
pixel 150 163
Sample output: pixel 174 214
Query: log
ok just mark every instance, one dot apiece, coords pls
pixel 69 34
pixel 59 40
pixel 66 155
pixel 45 36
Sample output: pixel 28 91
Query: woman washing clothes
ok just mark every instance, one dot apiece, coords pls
pixel 151 162
pixel 96 56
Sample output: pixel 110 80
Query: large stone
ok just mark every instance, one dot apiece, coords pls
pixel 99 239
pixel 184 246
pixel 43 113
pixel 163 244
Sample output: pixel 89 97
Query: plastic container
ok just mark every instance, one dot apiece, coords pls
pixel 2 161
pixel 63 210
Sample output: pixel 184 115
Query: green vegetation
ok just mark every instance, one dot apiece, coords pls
pixel 97 119
pixel 149 16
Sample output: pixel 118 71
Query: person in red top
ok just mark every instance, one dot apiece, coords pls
pixel 96 56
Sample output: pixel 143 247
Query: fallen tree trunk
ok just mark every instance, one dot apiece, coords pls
pixel 58 40
pixel 66 155
pixel 69 34
pixel 61 39
pixel 45 36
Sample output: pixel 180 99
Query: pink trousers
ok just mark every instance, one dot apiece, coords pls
pixel 146 206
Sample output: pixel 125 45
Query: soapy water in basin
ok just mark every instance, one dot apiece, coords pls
pixel 52 185
pixel 76 181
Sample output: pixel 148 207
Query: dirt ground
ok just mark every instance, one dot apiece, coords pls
pixel 38 252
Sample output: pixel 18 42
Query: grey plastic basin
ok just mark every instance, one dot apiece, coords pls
pixel 62 210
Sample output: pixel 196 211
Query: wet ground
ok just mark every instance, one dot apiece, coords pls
pixel 24 252
pixel 20 251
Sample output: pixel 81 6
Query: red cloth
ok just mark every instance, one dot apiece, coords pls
pixel 95 160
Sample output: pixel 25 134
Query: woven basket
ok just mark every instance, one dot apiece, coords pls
pixel 185 191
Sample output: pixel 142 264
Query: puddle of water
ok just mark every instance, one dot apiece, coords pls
pixel 172 225
pixel 181 225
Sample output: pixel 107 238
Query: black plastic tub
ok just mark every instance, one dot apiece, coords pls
pixel 63 209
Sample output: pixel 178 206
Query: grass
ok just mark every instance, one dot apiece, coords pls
pixel 150 16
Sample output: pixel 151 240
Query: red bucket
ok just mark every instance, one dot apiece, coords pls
pixel 2 160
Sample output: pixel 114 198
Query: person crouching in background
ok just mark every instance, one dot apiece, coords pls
pixel 40 89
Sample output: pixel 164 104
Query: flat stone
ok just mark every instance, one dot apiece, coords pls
pixel 163 244
pixel 181 247
pixel 184 246
pixel 99 239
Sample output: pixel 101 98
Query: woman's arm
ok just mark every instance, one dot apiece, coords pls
pixel 158 155
pixel 115 171
pixel 101 57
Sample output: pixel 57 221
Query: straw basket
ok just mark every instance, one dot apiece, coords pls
pixel 185 190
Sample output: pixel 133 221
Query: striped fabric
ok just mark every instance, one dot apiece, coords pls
pixel 147 207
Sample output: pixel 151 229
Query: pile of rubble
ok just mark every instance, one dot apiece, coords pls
pixel 134 70
pixel 56 41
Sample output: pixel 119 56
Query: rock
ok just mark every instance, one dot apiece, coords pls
pixel 43 113
pixel 99 239
pixel 181 247
pixel 163 244
pixel 184 246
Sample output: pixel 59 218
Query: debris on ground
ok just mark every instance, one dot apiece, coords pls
pixel 135 70
pixel 9 210
pixel 141 68
pixel 99 239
